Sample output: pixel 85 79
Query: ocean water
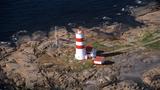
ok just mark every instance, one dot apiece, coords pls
pixel 32 15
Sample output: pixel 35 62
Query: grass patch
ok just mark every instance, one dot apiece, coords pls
pixel 78 66
pixel 151 36
pixel 154 45
pixel 120 46
pixel 99 46
pixel 86 65
pixel 114 46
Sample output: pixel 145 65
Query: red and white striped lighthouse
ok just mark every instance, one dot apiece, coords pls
pixel 80 47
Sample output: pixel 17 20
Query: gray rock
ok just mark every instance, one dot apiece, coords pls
pixel 48 65
pixel 123 85
pixel 152 78
pixel 90 87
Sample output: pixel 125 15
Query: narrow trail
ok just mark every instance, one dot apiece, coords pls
pixel 135 47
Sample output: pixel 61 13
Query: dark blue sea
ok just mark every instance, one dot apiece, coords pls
pixel 32 15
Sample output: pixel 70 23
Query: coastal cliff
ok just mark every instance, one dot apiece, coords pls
pixel 132 57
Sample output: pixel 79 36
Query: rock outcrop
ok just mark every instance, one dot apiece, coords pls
pixel 47 63
pixel 152 78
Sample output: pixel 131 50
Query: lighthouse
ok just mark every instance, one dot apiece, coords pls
pixel 80 46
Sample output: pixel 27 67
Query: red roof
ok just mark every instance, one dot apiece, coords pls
pixel 99 58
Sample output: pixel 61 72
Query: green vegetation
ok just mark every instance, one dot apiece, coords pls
pixel 154 45
pixel 150 37
pixel 78 66
pixel 86 65
pixel 99 46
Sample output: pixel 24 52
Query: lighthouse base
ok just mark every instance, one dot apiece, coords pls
pixel 79 57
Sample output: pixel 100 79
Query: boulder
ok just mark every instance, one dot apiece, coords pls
pixel 152 78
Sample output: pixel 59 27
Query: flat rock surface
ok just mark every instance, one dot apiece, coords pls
pixel 152 18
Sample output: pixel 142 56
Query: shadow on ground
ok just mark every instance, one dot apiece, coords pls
pixel 101 53
pixel 108 62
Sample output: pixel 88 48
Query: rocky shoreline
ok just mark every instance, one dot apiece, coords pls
pixel 37 63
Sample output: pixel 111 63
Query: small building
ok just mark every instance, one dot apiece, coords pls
pixel 90 52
